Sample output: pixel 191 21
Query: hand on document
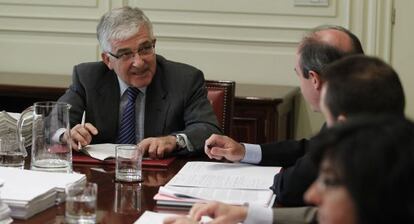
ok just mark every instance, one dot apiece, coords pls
pixel 220 213
pixel 220 146
pixel 82 134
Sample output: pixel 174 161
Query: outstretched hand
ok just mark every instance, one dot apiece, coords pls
pixel 220 146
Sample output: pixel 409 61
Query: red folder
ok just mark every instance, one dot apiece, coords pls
pixel 78 157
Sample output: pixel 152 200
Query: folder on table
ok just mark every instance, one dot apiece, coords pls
pixel 105 154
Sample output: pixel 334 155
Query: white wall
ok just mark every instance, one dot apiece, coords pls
pixel 242 40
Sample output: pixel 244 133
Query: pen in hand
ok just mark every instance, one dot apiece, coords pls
pixel 83 125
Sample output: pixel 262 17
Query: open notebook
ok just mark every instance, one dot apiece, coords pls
pixel 105 154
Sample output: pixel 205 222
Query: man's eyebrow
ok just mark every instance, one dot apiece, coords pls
pixel 123 50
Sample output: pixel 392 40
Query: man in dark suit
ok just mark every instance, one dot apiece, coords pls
pixel 320 47
pixel 349 84
pixel 135 96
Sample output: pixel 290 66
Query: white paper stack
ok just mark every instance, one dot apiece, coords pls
pixel 8 126
pixel 28 192
pixel 4 209
pixel 158 218
pixel 233 183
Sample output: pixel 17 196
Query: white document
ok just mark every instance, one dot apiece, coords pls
pixel 152 217
pixel 100 151
pixel 224 175
pixel 229 196
pixel 157 218
pixel 233 183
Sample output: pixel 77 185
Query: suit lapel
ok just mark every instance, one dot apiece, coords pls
pixel 156 106
pixel 108 96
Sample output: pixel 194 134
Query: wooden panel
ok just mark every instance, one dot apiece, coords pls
pixel 263 113
pixel 17 98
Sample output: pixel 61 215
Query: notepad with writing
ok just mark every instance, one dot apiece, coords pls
pixel 233 183
pixel 105 154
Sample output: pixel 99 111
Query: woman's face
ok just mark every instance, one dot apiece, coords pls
pixel 332 198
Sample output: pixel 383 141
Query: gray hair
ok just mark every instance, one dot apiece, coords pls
pixel 121 24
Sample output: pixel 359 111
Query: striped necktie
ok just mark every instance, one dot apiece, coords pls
pixel 127 128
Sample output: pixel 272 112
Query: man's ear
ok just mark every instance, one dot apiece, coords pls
pixel 105 59
pixel 341 118
pixel 316 80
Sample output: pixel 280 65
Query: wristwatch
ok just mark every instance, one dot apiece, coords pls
pixel 180 141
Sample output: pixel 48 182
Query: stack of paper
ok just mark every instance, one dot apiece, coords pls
pixel 5 213
pixel 232 183
pixel 158 218
pixel 8 126
pixel 4 209
pixel 28 192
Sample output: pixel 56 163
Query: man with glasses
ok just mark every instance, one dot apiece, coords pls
pixel 136 96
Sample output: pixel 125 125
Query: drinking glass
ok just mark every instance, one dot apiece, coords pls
pixel 81 203
pixel 128 165
pixel 12 154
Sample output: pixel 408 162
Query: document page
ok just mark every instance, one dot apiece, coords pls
pixel 230 196
pixel 100 151
pixel 224 175
pixel 158 218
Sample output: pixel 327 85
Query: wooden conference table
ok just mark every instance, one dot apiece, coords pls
pixel 116 202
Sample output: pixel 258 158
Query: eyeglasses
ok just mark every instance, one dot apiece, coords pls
pixel 145 49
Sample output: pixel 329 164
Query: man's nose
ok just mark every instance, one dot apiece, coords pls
pixel 137 60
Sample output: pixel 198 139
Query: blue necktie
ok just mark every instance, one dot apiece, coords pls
pixel 127 128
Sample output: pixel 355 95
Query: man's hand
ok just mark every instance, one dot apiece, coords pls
pixel 158 147
pixel 82 134
pixel 220 146
pixel 220 213
pixel 179 220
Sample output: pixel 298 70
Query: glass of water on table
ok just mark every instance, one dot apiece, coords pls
pixel 81 203
pixel 128 164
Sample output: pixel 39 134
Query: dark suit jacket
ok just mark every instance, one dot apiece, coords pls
pixel 176 102
pixel 298 171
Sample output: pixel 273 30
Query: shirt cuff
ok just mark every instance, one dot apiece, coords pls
pixel 253 154
pixel 257 214
pixel 189 146
pixel 57 135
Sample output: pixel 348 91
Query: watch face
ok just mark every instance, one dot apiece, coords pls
pixel 180 141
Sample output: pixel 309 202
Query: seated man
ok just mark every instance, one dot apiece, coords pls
pixel 347 92
pixel 135 96
pixel 317 49
pixel 365 176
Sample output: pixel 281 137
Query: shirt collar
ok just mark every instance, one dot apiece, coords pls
pixel 123 86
